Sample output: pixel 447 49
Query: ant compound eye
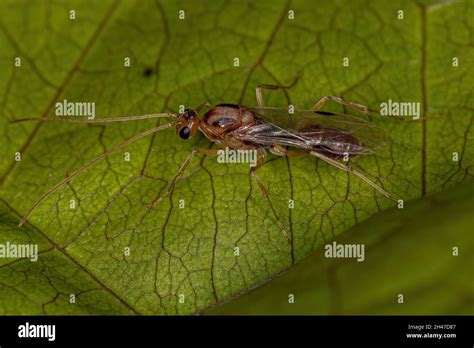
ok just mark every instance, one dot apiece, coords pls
pixel 184 133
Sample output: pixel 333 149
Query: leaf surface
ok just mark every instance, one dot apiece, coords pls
pixel 183 260
pixel 423 253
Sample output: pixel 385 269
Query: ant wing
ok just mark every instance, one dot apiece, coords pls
pixel 301 122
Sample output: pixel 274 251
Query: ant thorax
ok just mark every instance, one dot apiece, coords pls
pixel 221 121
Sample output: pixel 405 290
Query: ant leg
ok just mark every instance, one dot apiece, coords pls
pixel 90 164
pixel 258 90
pixel 349 169
pixel 253 173
pixel 281 151
pixel 202 105
pixel 358 107
pixel 182 169
pixel 258 93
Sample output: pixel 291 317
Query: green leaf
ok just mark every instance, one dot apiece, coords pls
pixel 50 283
pixel 408 252
pixel 191 251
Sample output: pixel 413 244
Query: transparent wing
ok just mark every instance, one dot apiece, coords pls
pixel 321 125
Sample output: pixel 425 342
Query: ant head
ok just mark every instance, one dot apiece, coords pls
pixel 188 124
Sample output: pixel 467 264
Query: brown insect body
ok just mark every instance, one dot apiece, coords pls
pixel 224 122
pixel 238 127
